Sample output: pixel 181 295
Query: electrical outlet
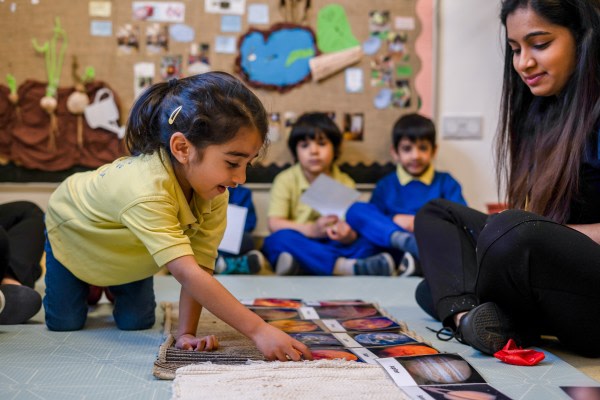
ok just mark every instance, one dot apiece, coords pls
pixel 462 127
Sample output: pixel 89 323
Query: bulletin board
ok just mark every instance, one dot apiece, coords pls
pixel 97 36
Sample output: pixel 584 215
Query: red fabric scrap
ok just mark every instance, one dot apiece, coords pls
pixel 515 355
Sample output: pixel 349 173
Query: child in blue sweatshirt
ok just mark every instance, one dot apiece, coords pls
pixel 399 195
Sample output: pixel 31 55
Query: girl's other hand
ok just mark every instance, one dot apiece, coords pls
pixel 191 342
pixel 277 345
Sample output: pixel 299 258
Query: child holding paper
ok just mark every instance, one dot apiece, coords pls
pixel 302 240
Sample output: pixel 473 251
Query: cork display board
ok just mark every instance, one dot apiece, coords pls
pixel 384 73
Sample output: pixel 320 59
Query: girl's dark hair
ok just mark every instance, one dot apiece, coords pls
pixel 541 140
pixel 310 126
pixel 214 106
pixel 413 127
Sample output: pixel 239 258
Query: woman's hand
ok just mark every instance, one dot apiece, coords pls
pixel 191 342
pixel 277 345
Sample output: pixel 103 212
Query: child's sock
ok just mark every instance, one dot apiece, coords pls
pixel 344 266
pixel 220 265
pixel 404 241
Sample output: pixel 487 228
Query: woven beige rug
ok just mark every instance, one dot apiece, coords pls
pixel 323 379
pixel 234 348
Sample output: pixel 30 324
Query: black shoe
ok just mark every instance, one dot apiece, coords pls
pixel 486 328
pixel 21 303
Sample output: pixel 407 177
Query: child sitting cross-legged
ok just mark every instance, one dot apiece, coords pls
pixel 302 240
pixel 387 220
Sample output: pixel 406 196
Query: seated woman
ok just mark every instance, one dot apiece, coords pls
pixel 21 249
pixel 532 270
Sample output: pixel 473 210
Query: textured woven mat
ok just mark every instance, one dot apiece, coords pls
pixel 234 348
pixel 323 379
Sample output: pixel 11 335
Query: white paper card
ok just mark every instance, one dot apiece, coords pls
pixel 365 355
pixel 225 44
pixel 354 80
pixel 158 11
pixel 100 28
pixel 231 23
pixel 236 219
pixel 404 23
pixel 308 313
pixel 100 8
pixel 143 77
pixel 258 14
pixel 397 372
pixel 333 325
pixel 329 197
pixel 346 339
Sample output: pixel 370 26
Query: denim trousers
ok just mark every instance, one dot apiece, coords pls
pixel 65 302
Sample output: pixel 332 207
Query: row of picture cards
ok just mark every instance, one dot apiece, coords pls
pixel 355 330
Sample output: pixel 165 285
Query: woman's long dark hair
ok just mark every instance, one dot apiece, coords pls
pixel 214 106
pixel 541 140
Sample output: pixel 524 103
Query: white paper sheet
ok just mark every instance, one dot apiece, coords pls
pixel 329 197
pixel 236 220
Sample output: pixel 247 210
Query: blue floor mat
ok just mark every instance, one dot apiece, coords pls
pixel 101 362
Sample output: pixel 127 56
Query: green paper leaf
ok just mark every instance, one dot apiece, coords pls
pixel 299 55
pixel 404 71
pixel 12 83
pixel 333 30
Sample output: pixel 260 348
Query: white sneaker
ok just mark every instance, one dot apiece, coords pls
pixel 286 264
pixel 220 265
pixel 407 266
pixel 2 301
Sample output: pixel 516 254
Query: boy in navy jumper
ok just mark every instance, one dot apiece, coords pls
pixel 399 195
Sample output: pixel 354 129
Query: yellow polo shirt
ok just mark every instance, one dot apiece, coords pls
pixel 288 186
pixel 125 220
pixel 405 178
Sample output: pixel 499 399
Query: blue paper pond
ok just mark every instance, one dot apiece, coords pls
pixel 281 60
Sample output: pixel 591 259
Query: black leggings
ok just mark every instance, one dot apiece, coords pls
pixel 21 241
pixel 544 275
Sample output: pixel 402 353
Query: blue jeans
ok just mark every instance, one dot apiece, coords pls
pixel 66 305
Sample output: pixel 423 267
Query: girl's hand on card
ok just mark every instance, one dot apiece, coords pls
pixel 277 345
pixel 191 342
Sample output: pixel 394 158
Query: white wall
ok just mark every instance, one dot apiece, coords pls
pixel 469 82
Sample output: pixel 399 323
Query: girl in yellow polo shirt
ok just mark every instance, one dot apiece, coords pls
pixel 164 206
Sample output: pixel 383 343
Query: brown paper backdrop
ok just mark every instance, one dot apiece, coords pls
pixel 18 57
